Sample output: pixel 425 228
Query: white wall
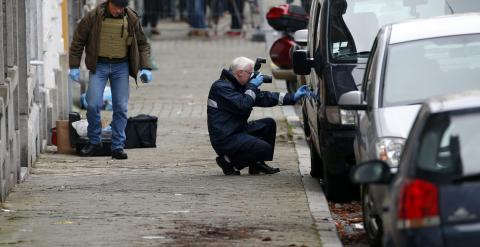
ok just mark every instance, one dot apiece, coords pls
pixel 52 39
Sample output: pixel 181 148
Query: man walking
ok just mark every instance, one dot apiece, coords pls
pixel 115 47
pixel 237 142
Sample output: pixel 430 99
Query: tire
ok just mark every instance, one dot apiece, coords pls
pixel 291 86
pixel 336 186
pixel 316 164
pixel 374 236
pixel 306 126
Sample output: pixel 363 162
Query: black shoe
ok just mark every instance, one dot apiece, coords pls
pixel 226 166
pixel 252 170
pixel 91 149
pixel 261 167
pixel 119 154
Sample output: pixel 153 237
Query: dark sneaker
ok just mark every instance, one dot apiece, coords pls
pixel 91 149
pixel 261 167
pixel 119 154
pixel 226 166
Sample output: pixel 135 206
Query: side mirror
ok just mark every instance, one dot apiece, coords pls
pixel 301 63
pixel 301 37
pixel 371 172
pixel 352 101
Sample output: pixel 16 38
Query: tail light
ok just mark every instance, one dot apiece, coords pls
pixel 418 204
pixel 280 52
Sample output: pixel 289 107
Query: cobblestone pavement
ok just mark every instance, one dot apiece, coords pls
pixel 172 195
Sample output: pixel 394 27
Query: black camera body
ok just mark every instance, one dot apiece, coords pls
pixel 256 68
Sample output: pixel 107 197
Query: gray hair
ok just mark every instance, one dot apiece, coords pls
pixel 240 63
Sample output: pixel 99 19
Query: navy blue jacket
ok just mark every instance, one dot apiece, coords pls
pixel 229 107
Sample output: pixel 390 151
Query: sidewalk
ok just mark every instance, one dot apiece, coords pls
pixel 174 195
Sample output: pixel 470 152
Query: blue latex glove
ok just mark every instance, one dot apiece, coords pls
pixel 146 75
pixel 301 92
pixel 74 74
pixel 257 80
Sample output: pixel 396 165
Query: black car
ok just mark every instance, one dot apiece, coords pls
pixel 341 34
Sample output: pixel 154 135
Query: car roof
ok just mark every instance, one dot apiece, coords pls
pixel 447 25
pixel 454 101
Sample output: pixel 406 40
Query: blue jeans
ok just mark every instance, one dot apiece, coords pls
pixel 118 74
pixel 196 13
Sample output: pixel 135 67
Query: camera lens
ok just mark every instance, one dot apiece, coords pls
pixel 267 79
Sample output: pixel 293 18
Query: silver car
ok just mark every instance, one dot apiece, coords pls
pixel 409 62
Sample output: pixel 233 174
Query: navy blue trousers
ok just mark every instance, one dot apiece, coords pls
pixel 259 144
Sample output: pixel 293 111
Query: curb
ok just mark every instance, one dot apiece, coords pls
pixel 324 223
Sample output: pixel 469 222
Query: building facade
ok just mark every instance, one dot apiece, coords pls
pixel 35 90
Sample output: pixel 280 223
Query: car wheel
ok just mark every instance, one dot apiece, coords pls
pixel 306 126
pixel 371 221
pixel 316 164
pixel 291 86
pixel 336 186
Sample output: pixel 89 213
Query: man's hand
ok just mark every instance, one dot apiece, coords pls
pixel 257 80
pixel 301 92
pixel 145 75
pixel 74 74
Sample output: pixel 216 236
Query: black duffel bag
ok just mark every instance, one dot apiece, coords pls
pixel 141 132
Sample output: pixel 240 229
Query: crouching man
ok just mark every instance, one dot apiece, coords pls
pixel 237 142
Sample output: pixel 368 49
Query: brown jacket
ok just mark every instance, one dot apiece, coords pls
pixel 87 35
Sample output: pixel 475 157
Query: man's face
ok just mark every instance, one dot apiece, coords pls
pixel 243 75
pixel 115 10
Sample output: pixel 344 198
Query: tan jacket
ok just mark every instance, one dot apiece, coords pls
pixel 87 35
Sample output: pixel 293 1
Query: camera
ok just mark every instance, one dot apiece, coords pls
pixel 256 68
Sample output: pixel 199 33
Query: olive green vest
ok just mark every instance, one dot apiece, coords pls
pixel 113 42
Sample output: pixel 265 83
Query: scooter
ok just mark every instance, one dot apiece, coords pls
pixel 286 18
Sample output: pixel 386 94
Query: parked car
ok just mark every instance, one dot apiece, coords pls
pixel 341 34
pixel 432 199
pixel 410 62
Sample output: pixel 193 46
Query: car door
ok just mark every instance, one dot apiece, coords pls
pixel 365 131
pixel 313 79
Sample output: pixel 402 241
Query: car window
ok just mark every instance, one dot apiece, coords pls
pixel 355 23
pixel 315 27
pixel 420 69
pixel 463 6
pixel 449 145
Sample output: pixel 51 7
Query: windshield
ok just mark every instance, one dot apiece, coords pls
pixel 450 145
pixel 420 69
pixel 353 24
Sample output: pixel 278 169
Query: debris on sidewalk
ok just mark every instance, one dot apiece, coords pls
pixel 349 222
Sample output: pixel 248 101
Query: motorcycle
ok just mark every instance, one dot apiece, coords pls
pixel 286 18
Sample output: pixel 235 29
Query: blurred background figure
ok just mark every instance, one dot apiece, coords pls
pixel 151 14
pixel 235 7
pixel 216 9
pixel 196 18
pixel 182 10
pixel 172 9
